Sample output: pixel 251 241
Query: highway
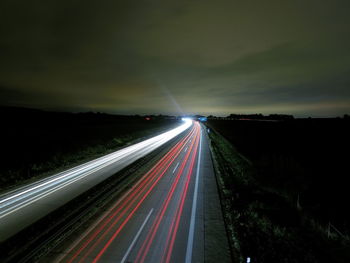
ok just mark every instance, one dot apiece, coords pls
pixel 24 206
pixel 159 219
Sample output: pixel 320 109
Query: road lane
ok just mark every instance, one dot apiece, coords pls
pixel 28 204
pixel 124 234
pixel 136 237
pixel 189 249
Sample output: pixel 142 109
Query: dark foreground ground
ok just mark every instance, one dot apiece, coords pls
pixel 37 143
pixel 285 188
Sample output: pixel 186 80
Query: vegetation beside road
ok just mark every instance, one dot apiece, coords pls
pixel 35 143
pixel 264 222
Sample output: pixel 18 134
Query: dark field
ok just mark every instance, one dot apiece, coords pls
pixel 36 143
pixel 305 159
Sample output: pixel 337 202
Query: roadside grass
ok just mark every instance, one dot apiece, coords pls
pixel 263 223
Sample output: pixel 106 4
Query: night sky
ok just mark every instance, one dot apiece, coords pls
pixel 181 56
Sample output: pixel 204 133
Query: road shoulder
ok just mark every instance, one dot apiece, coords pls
pixel 216 247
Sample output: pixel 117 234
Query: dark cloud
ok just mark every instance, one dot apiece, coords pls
pixel 177 56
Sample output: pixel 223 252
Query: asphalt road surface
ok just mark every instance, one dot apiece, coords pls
pixel 160 219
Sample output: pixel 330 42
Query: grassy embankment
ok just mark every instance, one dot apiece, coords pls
pixel 265 222
pixel 36 143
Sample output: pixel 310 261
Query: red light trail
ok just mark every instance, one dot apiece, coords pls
pixel 93 245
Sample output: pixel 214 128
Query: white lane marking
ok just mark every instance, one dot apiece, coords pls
pixel 194 208
pixel 177 165
pixel 186 149
pixel 136 237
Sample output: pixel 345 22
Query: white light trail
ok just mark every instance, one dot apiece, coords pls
pixel 24 196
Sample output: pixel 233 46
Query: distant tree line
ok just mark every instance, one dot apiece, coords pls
pixel 256 116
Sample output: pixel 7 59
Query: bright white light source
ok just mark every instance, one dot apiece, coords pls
pixel 188 120
pixel 248 259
